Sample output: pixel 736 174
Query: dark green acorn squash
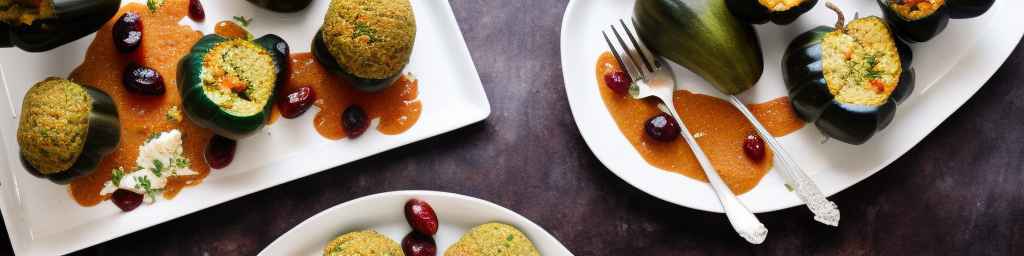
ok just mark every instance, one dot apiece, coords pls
pixel 103 136
pixel 752 11
pixel 71 20
pixel 324 57
pixel 803 70
pixel 201 109
pixel 678 30
pixel 926 28
pixel 282 5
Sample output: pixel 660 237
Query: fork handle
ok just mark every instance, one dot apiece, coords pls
pixel 742 220
pixel 825 211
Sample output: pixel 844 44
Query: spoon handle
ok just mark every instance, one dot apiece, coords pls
pixel 742 220
pixel 825 211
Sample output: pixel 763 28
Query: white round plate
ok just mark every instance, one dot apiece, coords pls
pixel 384 213
pixel 950 69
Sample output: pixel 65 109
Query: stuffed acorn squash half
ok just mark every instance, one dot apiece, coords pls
pixel 226 85
pixel 65 129
pixel 922 20
pixel 848 80
pixel 780 12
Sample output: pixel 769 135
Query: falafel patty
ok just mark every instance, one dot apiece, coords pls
pixel 54 124
pixel 371 39
pixel 493 239
pixel 363 243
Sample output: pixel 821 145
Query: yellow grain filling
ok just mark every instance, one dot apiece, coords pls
pixel 861 66
pixel 18 12
pixel 912 10
pixel 780 5
pixel 239 76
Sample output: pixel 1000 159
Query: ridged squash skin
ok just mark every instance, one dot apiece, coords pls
pixel 73 19
pixel 923 30
pixel 102 138
pixel 282 5
pixel 751 11
pixel 802 71
pixel 203 111
pixel 704 37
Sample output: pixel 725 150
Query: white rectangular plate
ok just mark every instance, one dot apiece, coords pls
pixel 43 219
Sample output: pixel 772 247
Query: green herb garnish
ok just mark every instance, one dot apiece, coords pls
pixel 158 168
pixel 154 4
pixel 116 175
pixel 242 20
pixel 509 238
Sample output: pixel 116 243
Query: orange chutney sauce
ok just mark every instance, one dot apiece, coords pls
pixel 164 43
pixel 717 125
pixel 397 106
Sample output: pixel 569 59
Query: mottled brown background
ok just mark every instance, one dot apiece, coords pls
pixel 958 192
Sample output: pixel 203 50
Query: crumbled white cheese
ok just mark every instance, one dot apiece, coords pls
pixel 159 158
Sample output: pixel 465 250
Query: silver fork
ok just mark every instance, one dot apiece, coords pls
pixel 825 211
pixel 652 79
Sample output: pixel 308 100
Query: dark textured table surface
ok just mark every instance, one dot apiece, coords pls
pixel 958 192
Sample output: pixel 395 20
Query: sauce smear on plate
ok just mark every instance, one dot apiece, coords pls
pixel 718 126
pixel 397 106
pixel 142 116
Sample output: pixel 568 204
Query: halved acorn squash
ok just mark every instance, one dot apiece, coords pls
pixel 780 12
pixel 228 85
pixel 922 20
pixel 849 79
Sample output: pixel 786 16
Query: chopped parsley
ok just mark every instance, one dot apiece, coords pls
pixel 158 168
pixel 116 175
pixel 242 20
pixel 154 4
pixel 509 238
pixel 144 185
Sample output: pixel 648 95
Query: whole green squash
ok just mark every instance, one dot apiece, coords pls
pixel 704 37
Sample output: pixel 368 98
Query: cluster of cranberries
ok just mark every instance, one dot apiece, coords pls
pixel 424 223
pixel 662 127
pixel 137 78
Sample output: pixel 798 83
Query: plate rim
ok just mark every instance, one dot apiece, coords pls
pixel 326 213
pixel 24 242
pixel 1000 52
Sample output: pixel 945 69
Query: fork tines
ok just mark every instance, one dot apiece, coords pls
pixel 633 56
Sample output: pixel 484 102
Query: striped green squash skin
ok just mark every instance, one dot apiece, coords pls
pixel 751 11
pixel 704 37
pixel 203 111
pixel 924 29
pixel 102 138
pixel 802 71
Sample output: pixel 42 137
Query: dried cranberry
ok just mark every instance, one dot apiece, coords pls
pixel 355 121
pixel 421 216
pixel 143 80
pixel 195 10
pixel 128 32
pixel 220 152
pixel 417 244
pixel 662 127
pixel 618 81
pixel 753 147
pixel 296 102
pixel 126 200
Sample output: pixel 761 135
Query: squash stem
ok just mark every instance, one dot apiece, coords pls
pixel 841 22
